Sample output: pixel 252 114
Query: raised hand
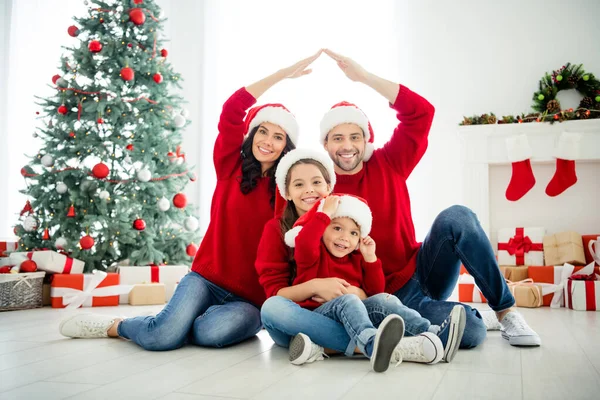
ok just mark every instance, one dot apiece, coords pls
pixel 351 68
pixel 300 68
pixel 331 205
pixel 367 249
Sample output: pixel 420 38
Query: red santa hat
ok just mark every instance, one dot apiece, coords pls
pixel 348 113
pixel 274 113
pixel 353 207
pixel 296 155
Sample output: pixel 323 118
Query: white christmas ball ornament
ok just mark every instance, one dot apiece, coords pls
pixel 179 121
pixel 60 243
pixel 104 195
pixel 30 224
pixel 47 161
pixel 190 224
pixel 61 188
pixel 144 175
pixel 164 204
pixel 185 112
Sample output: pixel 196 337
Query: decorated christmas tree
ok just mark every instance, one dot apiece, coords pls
pixel 107 184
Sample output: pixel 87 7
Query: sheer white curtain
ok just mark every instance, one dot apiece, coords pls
pixel 247 40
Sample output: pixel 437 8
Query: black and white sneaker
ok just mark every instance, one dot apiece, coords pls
pixel 302 350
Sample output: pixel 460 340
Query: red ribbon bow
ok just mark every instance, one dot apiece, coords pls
pixel 178 154
pixel 520 244
pixel 580 277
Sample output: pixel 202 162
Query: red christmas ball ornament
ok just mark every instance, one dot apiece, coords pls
pixel 157 77
pixel 72 134
pixel 556 116
pixel 63 110
pixel 100 120
pixel 139 224
pixel 101 20
pixel 127 74
pixel 180 200
pixel 129 45
pixel 95 46
pixel 86 242
pixel 164 53
pixel 73 31
pixel 5 269
pixel 28 266
pixel 138 1
pixel 137 16
pixel 55 78
pixel 129 147
pixel 100 171
pixel 191 250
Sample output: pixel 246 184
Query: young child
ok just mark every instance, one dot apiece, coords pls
pixel 331 240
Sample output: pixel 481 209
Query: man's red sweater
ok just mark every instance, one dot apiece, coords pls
pixel 228 250
pixel 382 182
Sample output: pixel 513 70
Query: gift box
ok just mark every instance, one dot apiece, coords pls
pixel 564 247
pixel 88 290
pixel 514 274
pixel 521 246
pixel 6 246
pixel 526 293
pixel 589 256
pixel 167 274
pixel 582 291
pixel 468 292
pixel 50 261
pixel 146 294
pixel 556 276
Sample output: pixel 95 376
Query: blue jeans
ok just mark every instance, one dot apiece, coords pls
pixel 455 236
pixel 199 312
pixel 283 319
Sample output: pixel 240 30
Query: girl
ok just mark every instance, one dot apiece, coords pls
pixel 217 303
pixel 305 177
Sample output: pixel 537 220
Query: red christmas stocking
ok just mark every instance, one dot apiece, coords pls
pixel 566 153
pixel 522 179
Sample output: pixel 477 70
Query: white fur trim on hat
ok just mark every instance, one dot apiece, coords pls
pixel 278 116
pixel 349 207
pixel 568 147
pixel 344 115
pixel 294 156
pixel 518 148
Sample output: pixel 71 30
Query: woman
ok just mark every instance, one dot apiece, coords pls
pixel 217 304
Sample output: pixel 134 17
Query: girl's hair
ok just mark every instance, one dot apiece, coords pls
pixel 252 170
pixel 290 214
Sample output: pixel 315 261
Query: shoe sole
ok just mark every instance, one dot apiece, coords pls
pixel 389 334
pixel 458 320
pixel 298 351
pixel 523 341
pixel 439 350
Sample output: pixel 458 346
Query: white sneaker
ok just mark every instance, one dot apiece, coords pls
pixel 517 332
pixel 303 350
pixel 425 348
pixel 490 320
pixel 389 334
pixel 86 326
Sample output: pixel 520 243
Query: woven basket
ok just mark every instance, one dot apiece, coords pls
pixel 21 291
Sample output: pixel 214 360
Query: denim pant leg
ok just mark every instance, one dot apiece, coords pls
pixel 169 329
pixel 282 318
pixel 456 236
pixel 383 304
pixel 226 324
pixel 352 313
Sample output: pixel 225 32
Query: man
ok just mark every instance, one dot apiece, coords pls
pixel 423 275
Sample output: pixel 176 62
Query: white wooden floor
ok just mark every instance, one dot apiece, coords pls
pixel 37 363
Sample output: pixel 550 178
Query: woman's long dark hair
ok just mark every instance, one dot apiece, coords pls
pixel 252 170
pixel 290 214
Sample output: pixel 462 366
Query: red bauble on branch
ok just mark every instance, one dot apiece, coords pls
pixel 191 250
pixel 86 242
pixel 138 1
pixel 95 46
pixel 127 74
pixel 100 120
pixel 72 134
pixel 157 77
pixel 73 31
pixel 139 224
pixel 100 171
pixel 55 78
pixel 129 147
pixel 180 200
pixel 137 16
pixel 164 53
pixel 63 110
